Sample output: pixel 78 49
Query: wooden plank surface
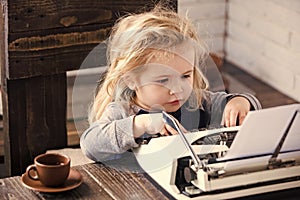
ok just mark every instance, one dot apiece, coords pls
pixel 107 182
pixel 60 34
pixel 26 15
pixel 122 184
pixel 30 123
pixel 99 182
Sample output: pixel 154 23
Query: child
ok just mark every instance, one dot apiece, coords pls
pixel 154 61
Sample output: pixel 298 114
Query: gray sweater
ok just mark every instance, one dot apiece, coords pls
pixel 112 135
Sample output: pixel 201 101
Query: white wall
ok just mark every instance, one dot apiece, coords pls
pixel 209 18
pixel 262 37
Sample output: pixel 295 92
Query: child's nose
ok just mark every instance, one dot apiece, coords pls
pixel 176 88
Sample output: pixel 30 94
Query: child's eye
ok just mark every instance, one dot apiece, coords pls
pixel 162 80
pixel 186 76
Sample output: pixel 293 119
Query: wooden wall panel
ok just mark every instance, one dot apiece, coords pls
pixel 53 36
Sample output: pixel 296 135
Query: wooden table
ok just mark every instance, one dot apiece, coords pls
pixel 112 181
pixel 99 182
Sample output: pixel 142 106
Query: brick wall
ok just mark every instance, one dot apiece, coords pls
pixel 262 37
pixel 209 18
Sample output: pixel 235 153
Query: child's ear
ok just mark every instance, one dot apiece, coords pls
pixel 131 85
pixel 130 82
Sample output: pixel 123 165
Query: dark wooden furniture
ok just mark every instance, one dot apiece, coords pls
pixel 40 42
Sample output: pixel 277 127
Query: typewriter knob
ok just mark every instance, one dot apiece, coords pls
pixel 189 174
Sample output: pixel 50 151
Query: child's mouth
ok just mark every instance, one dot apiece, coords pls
pixel 175 102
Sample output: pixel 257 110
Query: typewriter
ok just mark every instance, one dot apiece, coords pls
pixel 262 155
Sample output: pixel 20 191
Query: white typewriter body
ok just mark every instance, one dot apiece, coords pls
pixel 255 163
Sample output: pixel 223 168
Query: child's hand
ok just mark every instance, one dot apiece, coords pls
pixel 152 124
pixel 235 111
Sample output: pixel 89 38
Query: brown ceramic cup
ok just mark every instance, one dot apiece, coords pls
pixel 51 169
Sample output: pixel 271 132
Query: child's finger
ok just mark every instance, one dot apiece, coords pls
pixel 233 118
pixel 242 116
pixel 170 130
pixel 164 132
pixel 180 125
pixel 226 118
pixel 229 118
pixel 182 128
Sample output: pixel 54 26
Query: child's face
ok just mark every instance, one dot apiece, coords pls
pixel 166 84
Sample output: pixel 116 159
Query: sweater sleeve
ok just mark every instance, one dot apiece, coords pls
pixel 110 136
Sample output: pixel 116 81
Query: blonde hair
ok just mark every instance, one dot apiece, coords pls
pixel 133 42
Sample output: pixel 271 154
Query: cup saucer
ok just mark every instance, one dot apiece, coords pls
pixel 73 181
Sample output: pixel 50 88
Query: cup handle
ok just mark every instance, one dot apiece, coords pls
pixel 32 168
